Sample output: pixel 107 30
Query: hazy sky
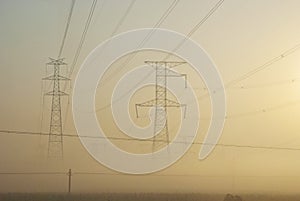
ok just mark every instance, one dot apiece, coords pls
pixel 263 110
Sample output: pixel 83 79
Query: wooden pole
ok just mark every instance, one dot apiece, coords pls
pixel 70 177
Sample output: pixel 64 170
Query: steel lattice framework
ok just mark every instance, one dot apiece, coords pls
pixel 55 141
pixel 161 101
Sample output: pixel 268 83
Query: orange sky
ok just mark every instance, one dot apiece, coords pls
pixel 240 36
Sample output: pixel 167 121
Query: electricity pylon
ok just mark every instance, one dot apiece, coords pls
pixel 161 101
pixel 55 141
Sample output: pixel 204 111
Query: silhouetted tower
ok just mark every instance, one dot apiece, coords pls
pixel 55 141
pixel 161 101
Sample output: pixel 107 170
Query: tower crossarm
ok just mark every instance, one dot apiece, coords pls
pixel 58 93
pixel 153 103
pixel 59 77
pixel 170 64
pixel 56 61
pixel 161 101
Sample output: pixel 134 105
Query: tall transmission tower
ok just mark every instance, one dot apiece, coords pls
pixel 161 101
pixel 55 141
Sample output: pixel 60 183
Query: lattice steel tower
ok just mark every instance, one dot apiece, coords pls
pixel 161 101
pixel 55 141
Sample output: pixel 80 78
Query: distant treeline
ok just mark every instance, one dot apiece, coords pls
pixel 138 197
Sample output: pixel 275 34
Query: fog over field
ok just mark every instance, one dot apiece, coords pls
pixel 150 100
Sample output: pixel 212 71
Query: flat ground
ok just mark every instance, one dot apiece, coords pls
pixel 138 197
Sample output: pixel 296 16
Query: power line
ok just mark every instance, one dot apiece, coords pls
pixel 265 65
pixel 55 142
pixel 121 21
pixel 115 30
pixel 99 15
pixel 70 174
pixel 264 110
pixel 59 55
pixel 67 28
pixel 243 77
pixel 125 63
pixel 173 175
pixel 197 26
pixel 142 43
pixel 83 36
pixel 259 111
pixel 259 68
pixel 131 175
pixel 86 27
pixel 150 140
pixel 32 173
pixel 124 17
pixel 193 30
pixel 269 84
